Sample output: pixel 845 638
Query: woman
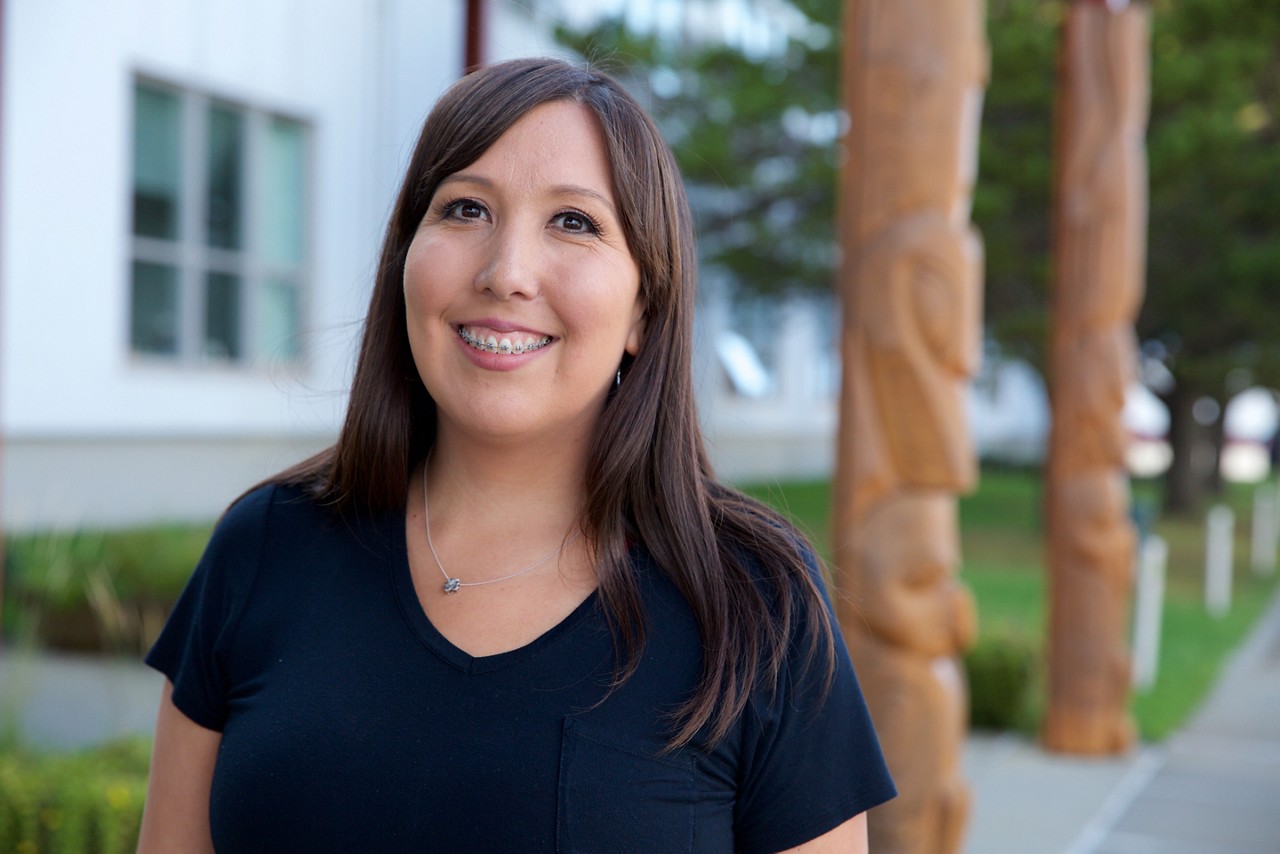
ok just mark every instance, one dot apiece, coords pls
pixel 511 610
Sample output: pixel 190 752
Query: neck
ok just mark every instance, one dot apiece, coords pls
pixel 522 487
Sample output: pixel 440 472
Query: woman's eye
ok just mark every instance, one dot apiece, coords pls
pixel 465 209
pixel 578 223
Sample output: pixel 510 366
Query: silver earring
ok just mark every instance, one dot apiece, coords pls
pixel 617 380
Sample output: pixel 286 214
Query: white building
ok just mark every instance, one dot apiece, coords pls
pixel 191 198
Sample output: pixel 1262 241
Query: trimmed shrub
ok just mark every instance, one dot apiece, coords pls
pixel 1003 671
pixel 80 803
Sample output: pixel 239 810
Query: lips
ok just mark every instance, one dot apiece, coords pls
pixel 507 342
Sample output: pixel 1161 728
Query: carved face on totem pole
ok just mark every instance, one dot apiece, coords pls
pixel 923 104
pixel 918 277
pixel 907 590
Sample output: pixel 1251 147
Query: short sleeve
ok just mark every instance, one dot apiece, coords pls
pixel 810 756
pixel 192 647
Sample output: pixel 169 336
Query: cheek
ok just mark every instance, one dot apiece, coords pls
pixel 616 306
pixel 422 289
pixel 420 296
pixel 412 277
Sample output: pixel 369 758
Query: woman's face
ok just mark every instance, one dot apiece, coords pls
pixel 520 292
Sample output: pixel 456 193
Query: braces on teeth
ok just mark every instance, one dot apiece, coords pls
pixel 506 346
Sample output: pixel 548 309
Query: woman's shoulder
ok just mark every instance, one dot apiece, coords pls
pixel 271 504
pixel 267 512
pixel 779 560
pixel 242 525
pixel 261 498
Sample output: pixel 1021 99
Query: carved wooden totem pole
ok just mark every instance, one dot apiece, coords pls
pixel 913 78
pixel 1098 272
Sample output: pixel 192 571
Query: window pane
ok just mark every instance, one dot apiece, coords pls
pixel 283 192
pixel 157 162
pixel 154 309
pixel 279 321
pixel 223 215
pixel 222 316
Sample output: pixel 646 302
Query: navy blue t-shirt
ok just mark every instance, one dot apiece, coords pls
pixel 350 724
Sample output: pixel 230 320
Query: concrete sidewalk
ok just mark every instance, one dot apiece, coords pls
pixel 1028 801
pixel 1213 788
pixel 1218 789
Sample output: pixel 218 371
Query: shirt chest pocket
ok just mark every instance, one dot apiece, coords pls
pixel 617 795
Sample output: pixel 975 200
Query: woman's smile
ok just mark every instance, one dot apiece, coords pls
pixel 496 348
pixel 509 343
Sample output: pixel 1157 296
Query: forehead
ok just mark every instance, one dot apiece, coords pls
pixel 554 144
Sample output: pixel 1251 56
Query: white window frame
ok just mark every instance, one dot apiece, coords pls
pixel 191 255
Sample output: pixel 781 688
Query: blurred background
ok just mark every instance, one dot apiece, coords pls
pixel 192 194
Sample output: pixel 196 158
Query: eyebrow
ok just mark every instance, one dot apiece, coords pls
pixel 557 190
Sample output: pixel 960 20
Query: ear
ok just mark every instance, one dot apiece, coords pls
pixel 636 334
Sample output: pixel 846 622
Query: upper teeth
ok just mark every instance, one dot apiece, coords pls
pixel 506 344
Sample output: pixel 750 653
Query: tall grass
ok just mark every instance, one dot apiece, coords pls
pixel 96 589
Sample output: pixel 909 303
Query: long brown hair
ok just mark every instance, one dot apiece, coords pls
pixel 739 565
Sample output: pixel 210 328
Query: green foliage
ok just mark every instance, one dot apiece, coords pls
pixel 81 803
pixel 1214 167
pixel 755 140
pixel 122 580
pixel 1214 151
pixel 1003 670
pixel 1012 198
pixel 143 561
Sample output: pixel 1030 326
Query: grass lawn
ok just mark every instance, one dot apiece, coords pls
pixel 1001 530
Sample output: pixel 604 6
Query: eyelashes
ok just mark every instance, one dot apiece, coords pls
pixel 571 220
pixel 589 224
pixel 452 209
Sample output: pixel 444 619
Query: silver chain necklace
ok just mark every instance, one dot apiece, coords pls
pixel 453 585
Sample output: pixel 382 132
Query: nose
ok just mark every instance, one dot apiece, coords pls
pixel 513 266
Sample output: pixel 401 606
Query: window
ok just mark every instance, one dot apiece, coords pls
pixel 219 228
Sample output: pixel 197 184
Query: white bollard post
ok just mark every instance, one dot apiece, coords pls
pixel 1220 531
pixel 1275 518
pixel 1265 535
pixel 1153 557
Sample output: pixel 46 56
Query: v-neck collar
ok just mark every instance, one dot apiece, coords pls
pixel 431 637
